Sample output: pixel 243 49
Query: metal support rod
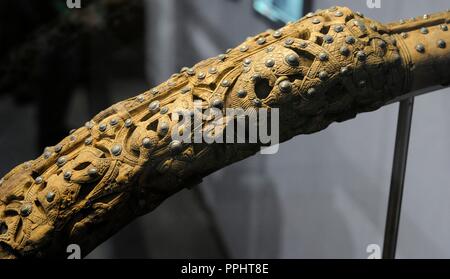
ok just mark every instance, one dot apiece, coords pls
pixel 397 177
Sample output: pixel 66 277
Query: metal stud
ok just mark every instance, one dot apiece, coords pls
pixel 225 83
pixel 289 41
pixel 359 14
pixel 338 14
pixel 269 63
pixel 350 39
pixel 39 180
pixel 147 143
pixel 420 48
pixel 345 70
pixel 247 61
pixel 116 150
pixel 261 41
pixel 190 71
pixel 338 28
pixel 256 102
pixel 26 209
pixel 164 110
pixel 441 44
pixel 270 49
pixel 201 75
pixel 185 90
pixel 47 154
pixel 140 98
pixel 88 141
pixel 222 57
pixel 128 122
pixel 311 91
pixel 309 15
pixel 402 21
pixel 156 91
pixel 323 75
pixel 444 27
pixel 303 44
pixel 212 70
pixel 88 124
pixel 102 127
pixel 277 34
pixel 328 39
pixel 113 122
pixel 382 44
pixel 58 148
pixel 344 50
pixel 323 56
pixel 243 48
pixel 153 106
pixel 67 175
pixel 285 86
pixel 50 196
pixel 404 35
pixel 424 30
pixel 241 93
pixel 61 161
pixel 292 59
pixel 426 16
pixel 361 55
pixel 92 171
pixel 175 146
pixel 316 21
pixel 217 103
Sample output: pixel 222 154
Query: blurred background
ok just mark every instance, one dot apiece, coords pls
pixel 321 196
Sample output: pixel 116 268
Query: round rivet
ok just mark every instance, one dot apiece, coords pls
pixel 396 57
pixel 404 35
pixel 323 56
pixel 201 75
pixel 140 98
pixel 163 128
pixel 67 175
pixel 359 14
pixel 190 71
pixel 92 171
pixel 350 39
pixel 185 90
pixel 269 63
pixel 277 34
pixel 228 50
pixel 361 55
pixel 316 21
pixel 175 146
pixel 47 154
pixel 382 44
pixel 261 41
pixel 426 16
pixel 303 44
pixel 289 41
pixel 128 122
pixel 344 50
pixel 61 161
pixel 420 48
pixel 147 143
pixel 50 196
pixel 241 93
pixel 243 48
pixel 154 106
pixel 39 180
pixel 88 141
pixel 362 83
pixel 292 59
pixel 328 39
pixel 26 209
pixel 323 75
pixel 164 110
pixel 311 91
pixel 441 43
pixel 345 70
pixel 217 103
pixel 212 70
pixel 113 122
pixel 102 127
pixel 285 86
pixel 116 150
pixel 257 102
pixel 88 124
pixel 222 57
pixel 309 15
pixel 156 91
pixel 58 148
pixel 270 49
pixel 72 131
pixel 444 27
pixel 225 83
pixel 247 61
pixel 338 14
pixel 402 21
pixel 338 28
pixel 424 30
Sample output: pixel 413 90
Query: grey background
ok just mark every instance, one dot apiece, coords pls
pixel 322 196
